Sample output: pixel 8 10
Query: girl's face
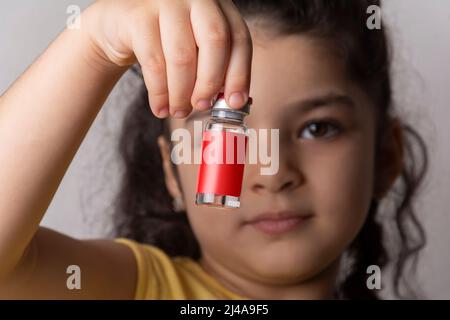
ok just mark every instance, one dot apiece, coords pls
pixel 325 168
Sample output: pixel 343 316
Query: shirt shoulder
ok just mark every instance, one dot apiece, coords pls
pixel 160 276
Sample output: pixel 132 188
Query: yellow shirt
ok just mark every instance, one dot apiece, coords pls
pixel 160 276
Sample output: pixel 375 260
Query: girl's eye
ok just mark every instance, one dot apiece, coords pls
pixel 319 129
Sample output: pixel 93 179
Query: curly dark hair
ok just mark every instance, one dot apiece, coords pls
pixel 144 210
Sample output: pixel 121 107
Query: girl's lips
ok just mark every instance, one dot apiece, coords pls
pixel 278 224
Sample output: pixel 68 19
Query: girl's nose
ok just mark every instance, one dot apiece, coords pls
pixel 287 178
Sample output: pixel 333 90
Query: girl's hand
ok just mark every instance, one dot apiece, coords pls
pixel 188 49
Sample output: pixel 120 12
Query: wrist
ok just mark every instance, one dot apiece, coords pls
pixel 94 51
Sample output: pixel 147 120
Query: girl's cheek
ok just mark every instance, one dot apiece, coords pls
pixel 339 173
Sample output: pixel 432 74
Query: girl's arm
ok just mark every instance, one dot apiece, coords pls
pixel 44 117
pixel 46 113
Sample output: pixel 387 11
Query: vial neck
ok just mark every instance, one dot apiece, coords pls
pixel 232 116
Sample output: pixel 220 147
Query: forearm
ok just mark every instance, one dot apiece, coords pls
pixel 44 117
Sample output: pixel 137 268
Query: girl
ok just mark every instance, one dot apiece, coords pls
pixel 317 73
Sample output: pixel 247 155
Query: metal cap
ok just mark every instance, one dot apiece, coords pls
pixel 223 110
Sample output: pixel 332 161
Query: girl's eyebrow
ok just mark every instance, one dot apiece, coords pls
pixel 302 105
pixel 326 100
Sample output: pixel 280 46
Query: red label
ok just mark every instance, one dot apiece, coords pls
pixel 222 167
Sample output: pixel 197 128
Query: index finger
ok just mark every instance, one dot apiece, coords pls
pixel 237 78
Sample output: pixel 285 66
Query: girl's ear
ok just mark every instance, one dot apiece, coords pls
pixel 172 183
pixel 390 164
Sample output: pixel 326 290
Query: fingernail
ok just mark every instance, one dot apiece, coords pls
pixel 203 104
pixel 236 100
pixel 179 114
pixel 164 112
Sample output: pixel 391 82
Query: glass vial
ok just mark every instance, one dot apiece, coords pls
pixel 224 145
